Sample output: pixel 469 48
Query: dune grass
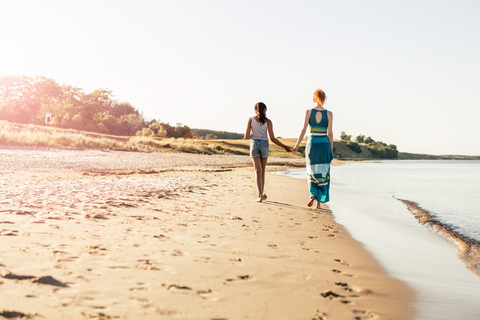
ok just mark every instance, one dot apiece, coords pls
pixel 12 134
pixel 39 136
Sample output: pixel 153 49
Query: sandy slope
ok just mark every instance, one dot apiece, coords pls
pixel 81 237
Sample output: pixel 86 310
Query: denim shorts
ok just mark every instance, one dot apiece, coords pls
pixel 259 148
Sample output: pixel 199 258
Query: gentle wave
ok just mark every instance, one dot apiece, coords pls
pixel 468 249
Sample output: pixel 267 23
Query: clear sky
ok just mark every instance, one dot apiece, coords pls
pixel 404 72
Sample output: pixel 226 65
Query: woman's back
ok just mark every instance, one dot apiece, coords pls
pixel 318 121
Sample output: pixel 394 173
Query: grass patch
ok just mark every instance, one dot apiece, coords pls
pixel 12 134
pixel 39 136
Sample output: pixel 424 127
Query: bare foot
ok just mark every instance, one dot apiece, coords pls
pixel 309 204
pixel 260 199
pixel 264 197
pixel 318 206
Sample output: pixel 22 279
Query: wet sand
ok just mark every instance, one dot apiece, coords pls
pixel 123 235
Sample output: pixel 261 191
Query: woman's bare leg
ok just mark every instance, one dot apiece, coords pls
pixel 312 199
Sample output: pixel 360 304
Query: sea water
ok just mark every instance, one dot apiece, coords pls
pixel 421 220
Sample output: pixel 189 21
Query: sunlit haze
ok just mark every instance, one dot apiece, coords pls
pixel 403 72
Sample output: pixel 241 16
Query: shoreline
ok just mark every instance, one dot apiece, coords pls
pixel 411 251
pixel 187 242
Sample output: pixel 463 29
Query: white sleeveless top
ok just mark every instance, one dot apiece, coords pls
pixel 259 130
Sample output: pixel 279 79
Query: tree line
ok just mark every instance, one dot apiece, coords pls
pixel 378 149
pixel 29 99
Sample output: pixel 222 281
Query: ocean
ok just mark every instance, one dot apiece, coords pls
pixel 421 220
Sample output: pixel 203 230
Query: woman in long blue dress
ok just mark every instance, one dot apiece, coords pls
pixel 319 149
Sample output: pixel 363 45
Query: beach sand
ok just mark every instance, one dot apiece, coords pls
pixel 123 235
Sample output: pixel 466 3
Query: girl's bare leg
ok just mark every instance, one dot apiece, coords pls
pixel 318 206
pixel 264 165
pixel 259 176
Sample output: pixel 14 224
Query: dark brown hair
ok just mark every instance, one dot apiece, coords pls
pixel 261 108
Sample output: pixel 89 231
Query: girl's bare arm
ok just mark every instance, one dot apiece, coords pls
pixel 275 140
pixel 249 129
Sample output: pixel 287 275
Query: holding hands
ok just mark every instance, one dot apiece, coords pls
pixel 293 151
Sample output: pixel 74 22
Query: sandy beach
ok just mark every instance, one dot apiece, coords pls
pixel 124 235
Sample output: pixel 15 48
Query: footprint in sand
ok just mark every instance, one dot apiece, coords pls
pixel 245 277
pixel 364 314
pixel 237 261
pixel 49 280
pixel 319 315
pixel 335 296
pixel 331 295
pixel 143 301
pixel 9 314
pixel 167 312
pixel 7 232
pixel 99 316
pixel 179 288
pixel 344 263
pixel 345 286
pixel 345 274
pixel 95 250
pixel 177 253
pixel 147 265
pixel 135 289
pixel 207 294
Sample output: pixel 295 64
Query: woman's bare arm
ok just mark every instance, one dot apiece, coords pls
pixel 302 133
pixel 330 129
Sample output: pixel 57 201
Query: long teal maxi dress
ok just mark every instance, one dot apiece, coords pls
pixel 318 154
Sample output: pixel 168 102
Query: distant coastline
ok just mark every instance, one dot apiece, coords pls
pixel 36 136
pixel 343 152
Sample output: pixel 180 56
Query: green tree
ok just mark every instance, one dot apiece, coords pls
pixel 181 130
pixel 132 122
pixel 360 138
pixel 166 130
pixel 369 140
pixel 123 108
pixel 391 152
pixel 97 102
pixel 155 126
pixel 66 107
pixel 146 132
pixel 344 136
pixel 26 99
pixel 381 150
pixel 22 98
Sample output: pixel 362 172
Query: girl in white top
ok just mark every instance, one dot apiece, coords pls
pixel 259 128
